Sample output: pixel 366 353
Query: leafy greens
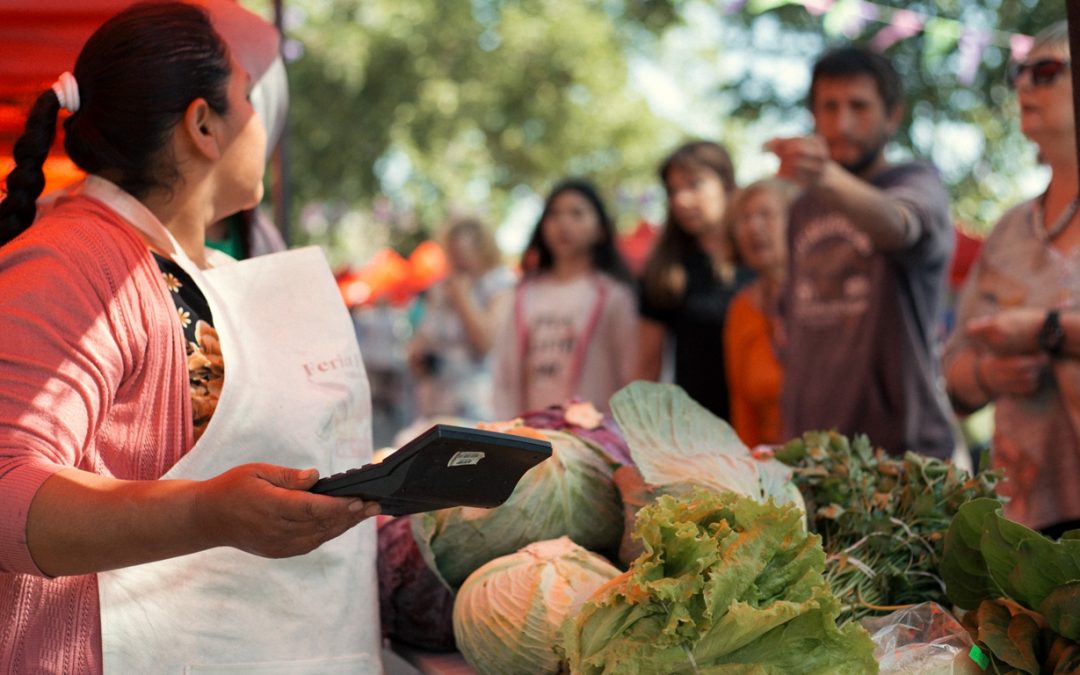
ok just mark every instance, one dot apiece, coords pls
pixel 726 585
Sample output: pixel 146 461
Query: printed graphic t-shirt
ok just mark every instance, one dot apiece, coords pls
pixel 862 326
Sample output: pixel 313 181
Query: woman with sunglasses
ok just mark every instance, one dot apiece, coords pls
pixel 1017 342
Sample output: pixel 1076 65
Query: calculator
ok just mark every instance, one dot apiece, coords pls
pixel 443 467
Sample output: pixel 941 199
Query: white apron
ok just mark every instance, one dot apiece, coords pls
pixel 295 394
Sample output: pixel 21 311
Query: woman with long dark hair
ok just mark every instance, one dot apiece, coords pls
pixel 571 333
pixel 157 415
pixel 691 275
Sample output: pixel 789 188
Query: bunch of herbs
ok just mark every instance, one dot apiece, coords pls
pixel 882 519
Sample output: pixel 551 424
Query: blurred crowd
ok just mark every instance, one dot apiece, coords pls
pixel 816 298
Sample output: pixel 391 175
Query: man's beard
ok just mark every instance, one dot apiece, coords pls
pixel 865 160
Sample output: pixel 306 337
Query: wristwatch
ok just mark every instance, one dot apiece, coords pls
pixel 1052 334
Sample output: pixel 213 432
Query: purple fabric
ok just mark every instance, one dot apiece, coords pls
pixel 414 606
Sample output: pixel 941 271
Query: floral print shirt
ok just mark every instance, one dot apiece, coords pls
pixel 206 369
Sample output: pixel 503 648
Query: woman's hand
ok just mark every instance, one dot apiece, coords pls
pixel 459 291
pixel 1010 375
pixel 266 510
pixel 1009 331
pixel 81 523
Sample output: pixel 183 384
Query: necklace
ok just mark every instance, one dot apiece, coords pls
pixel 1047 233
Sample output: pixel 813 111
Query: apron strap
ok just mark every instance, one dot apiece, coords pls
pixel 577 363
pixel 578 366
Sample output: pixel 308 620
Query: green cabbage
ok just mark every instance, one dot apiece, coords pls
pixel 508 613
pixel 571 494
pixel 677 446
pixel 673 439
pixel 725 585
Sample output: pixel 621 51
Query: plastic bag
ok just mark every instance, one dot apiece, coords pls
pixel 924 639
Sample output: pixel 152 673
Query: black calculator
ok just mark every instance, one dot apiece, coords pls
pixel 444 466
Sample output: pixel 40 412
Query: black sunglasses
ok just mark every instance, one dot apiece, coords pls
pixel 1043 71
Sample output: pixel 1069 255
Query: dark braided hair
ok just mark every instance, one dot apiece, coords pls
pixel 137 75
pixel 27 179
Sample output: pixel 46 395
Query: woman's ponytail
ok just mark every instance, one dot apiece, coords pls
pixel 26 181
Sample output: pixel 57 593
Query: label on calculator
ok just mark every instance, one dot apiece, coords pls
pixel 464 458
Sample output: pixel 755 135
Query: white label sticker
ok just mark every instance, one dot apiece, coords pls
pixel 465 458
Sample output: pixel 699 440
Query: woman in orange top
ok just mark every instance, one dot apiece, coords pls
pixel 752 332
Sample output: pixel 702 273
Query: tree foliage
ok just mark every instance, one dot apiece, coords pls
pixel 443 106
pixel 432 107
pixel 937 103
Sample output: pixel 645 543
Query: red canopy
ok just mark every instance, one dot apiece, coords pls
pixel 389 276
pixel 39 39
pixel 964 254
pixel 636 245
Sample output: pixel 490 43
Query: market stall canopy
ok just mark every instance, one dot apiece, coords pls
pixel 965 251
pixel 388 276
pixel 427 264
pixel 39 39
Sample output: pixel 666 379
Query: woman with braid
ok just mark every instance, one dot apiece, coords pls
pixel 157 414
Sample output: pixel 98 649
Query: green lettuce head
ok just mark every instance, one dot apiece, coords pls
pixel 726 585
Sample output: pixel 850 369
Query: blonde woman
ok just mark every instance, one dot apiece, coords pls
pixel 449 354
pixel 752 331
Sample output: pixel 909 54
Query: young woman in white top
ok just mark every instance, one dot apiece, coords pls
pixel 572 332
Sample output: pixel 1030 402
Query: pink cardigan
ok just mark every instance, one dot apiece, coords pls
pixel 92 376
